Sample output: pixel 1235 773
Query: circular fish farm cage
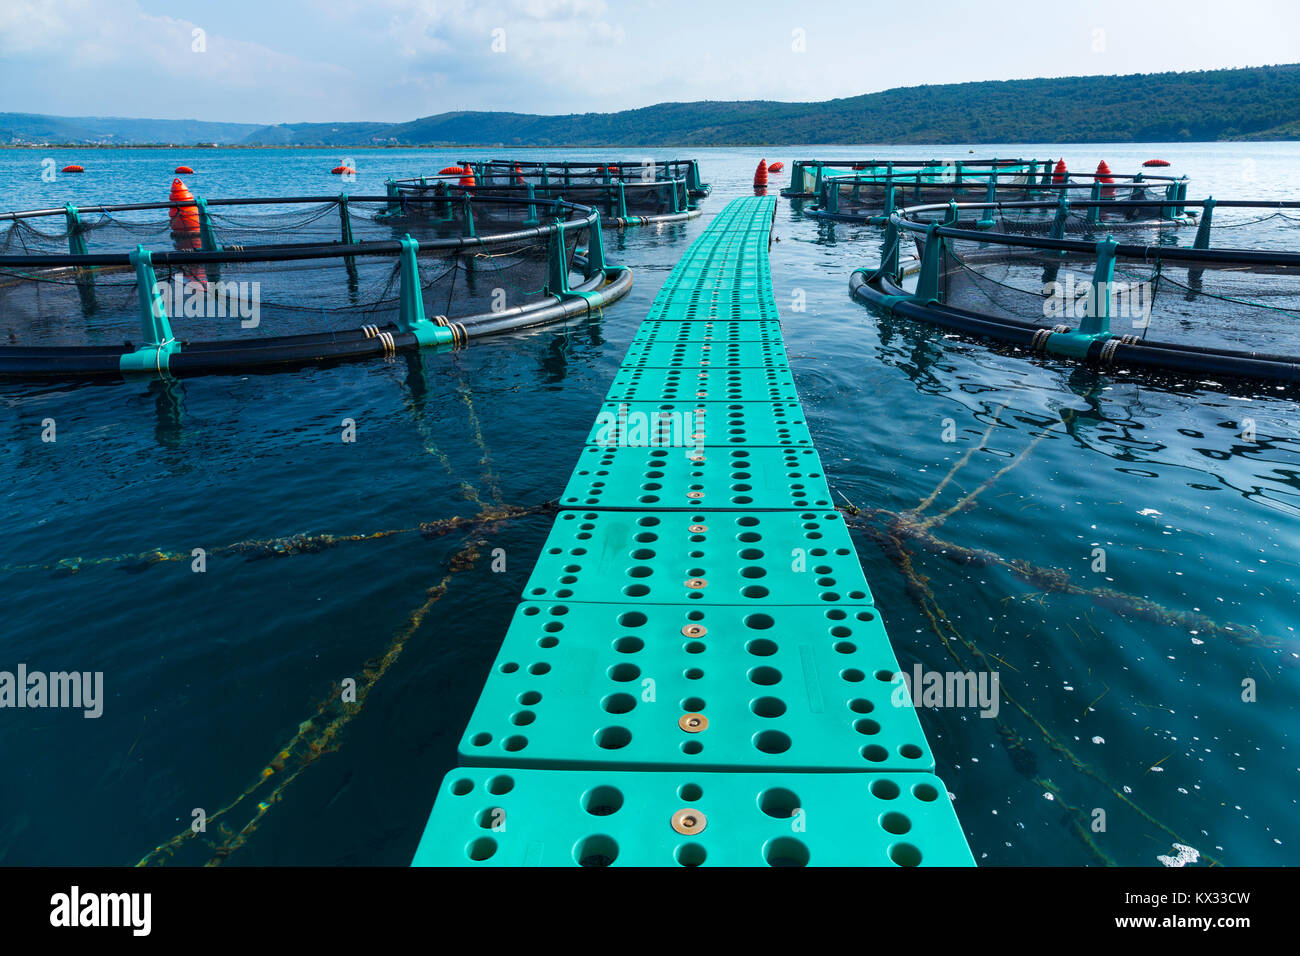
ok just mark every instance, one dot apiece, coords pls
pixel 192 287
pixel 872 199
pixel 1226 309
pixel 628 171
pixel 808 176
pixel 625 194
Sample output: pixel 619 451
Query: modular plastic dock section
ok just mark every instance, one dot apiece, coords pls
pixel 697 673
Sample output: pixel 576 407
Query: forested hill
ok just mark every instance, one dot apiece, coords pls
pixel 1254 103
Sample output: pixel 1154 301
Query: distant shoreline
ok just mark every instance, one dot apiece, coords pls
pixel 449 146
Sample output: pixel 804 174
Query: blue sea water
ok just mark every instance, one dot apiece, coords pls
pixel 1137 713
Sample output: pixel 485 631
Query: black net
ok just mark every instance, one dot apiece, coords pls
pixel 1216 301
pixel 615 199
pixel 468 265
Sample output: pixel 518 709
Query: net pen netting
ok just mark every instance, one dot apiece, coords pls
pixel 1216 300
pixel 470 263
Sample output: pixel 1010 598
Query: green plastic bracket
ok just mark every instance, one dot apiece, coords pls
pixel 990 197
pixel 1095 324
pixel 1062 215
pixel 411 316
pixel 394 198
pixel 469 218
pixel 76 241
pixel 1203 228
pixel 595 250
pixel 622 201
pixel 557 262
pixel 345 220
pixel 1096 320
pixel 158 342
pixel 207 235
pixel 890 249
pixel 532 207
pixel 927 283
pixel 1094 211
pixel 1171 193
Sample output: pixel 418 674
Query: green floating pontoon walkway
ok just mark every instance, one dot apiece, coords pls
pixel 697 673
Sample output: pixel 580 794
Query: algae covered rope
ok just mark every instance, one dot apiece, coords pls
pixel 919 586
pixel 257 549
pixel 319 734
pixel 1058 580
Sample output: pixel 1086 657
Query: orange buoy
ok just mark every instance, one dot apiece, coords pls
pixel 1102 175
pixel 760 175
pixel 776 167
pixel 466 173
pixel 1156 162
pixel 183 171
pixel 1059 172
pixel 74 168
pixel 519 176
pixel 336 171
pixel 184 219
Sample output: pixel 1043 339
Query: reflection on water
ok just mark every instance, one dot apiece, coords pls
pixel 1111 545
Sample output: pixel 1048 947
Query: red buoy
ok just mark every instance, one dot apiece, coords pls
pixel 74 168
pixel 776 167
pixel 183 171
pixel 466 173
pixel 1102 175
pixel 1156 162
pixel 337 170
pixel 760 175
pixel 1058 173
pixel 184 219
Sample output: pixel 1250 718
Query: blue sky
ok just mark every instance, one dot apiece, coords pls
pixel 318 60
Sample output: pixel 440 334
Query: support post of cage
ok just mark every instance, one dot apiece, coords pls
pixel 693 177
pixel 345 235
pixel 1196 273
pixel 532 206
pixel 890 203
pixel 157 341
pixel 207 235
pixel 557 262
pixel 672 188
pixel 927 282
pixel 394 204
pixel 410 314
pixel 622 201
pixel 469 218
pixel 1094 211
pixel 1203 227
pixel 952 216
pixel 986 221
pixel 1062 214
pixel 1096 316
pixel 345 221
pixel 595 250
pixel 1167 212
pixel 76 241
pixel 77 247
pixel 1182 196
pixel 889 249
